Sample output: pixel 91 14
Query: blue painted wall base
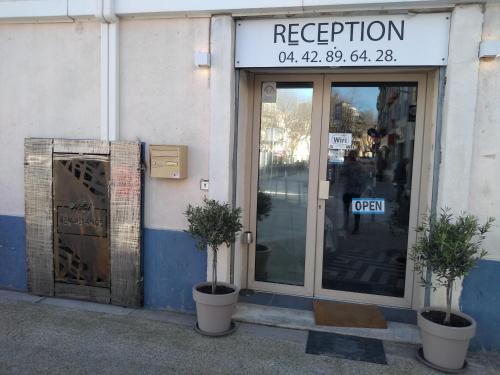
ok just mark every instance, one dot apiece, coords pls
pixel 172 265
pixel 13 274
pixel 480 299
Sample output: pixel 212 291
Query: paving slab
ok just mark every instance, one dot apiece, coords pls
pixel 86 306
pixel 41 338
pixel 187 320
pixel 10 295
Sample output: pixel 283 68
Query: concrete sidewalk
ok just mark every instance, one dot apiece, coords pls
pixel 54 336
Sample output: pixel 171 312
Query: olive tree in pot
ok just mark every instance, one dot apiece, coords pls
pixel 213 224
pixel 449 247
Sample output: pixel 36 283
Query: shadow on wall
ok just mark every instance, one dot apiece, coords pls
pixel 12 253
pixel 481 299
pixel 172 265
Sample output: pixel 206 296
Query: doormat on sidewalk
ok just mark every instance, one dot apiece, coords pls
pixel 346 347
pixel 329 313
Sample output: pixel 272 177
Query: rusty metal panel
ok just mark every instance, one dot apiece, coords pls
pixel 84 292
pixel 38 215
pixel 125 220
pixel 79 146
pixel 81 210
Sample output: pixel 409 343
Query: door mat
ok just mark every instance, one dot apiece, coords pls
pixel 346 347
pixel 338 314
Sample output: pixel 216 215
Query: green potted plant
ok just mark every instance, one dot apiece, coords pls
pixel 262 252
pixel 449 247
pixel 213 224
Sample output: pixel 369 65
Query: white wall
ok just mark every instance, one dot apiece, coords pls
pixel 222 122
pixel 49 87
pixel 459 107
pixel 165 99
pixel 470 169
pixel 458 118
pixel 484 197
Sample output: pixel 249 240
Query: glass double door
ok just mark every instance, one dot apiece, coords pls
pixel 334 198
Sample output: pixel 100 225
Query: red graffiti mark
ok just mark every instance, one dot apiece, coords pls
pixel 126 183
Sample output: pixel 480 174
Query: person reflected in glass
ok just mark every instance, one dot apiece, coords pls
pixel 399 178
pixel 352 173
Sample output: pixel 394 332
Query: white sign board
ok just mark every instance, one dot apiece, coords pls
pixel 379 40
pixel 339 141
pixel 368 206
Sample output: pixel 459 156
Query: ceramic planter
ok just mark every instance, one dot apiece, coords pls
pixel 444 346
pixel 214 311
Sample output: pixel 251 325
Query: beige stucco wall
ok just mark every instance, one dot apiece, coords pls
pixel 165 99
pixel 49 87
pixel 484 197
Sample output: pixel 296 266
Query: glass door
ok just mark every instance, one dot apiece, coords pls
pixel 368 191
pixel 285 163
pixel 336 165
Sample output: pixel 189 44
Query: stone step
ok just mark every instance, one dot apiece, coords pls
pixel 304 320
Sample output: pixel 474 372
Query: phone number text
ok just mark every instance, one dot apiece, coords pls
pixel 336 56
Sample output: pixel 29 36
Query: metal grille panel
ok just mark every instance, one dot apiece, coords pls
pixel 81 212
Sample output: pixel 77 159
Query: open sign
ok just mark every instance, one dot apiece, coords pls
pixel 368 206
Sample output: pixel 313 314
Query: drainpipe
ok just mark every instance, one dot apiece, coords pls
pixel 436 166
pixel 235 163
pixel 105 13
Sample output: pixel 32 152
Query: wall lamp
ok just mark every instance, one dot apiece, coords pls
pixel 489 49
pixel 202 59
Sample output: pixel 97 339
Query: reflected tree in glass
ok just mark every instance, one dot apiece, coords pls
pixel 283 185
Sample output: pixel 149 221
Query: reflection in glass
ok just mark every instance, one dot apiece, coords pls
pixel 366 252
pixel 283 185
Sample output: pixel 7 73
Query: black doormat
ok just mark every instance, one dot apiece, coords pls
pixel 346 347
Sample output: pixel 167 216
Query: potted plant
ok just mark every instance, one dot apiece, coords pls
pixel 213 224
pixel 449 247
pixel 262 252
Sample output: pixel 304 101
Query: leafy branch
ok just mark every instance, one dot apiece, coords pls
pixel 213 224
pixel 450 247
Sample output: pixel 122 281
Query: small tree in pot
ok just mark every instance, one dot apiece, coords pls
pixel 213 224
pixel 449 247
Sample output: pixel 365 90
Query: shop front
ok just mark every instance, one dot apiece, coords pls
pixel 337 151
pixel 335 126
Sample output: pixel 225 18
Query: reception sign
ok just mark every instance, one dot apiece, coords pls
pixel 383 40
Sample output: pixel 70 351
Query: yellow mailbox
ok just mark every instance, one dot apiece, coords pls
pixel 168 161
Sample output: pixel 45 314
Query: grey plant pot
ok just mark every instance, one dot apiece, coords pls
pixel 214 311
pixel 445 346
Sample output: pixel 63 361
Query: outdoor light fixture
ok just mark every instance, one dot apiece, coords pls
pixel 489 49
pixel 202 59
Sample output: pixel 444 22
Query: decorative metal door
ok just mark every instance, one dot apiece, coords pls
pixel 81 219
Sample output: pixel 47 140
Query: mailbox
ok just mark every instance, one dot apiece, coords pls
pixel 168 161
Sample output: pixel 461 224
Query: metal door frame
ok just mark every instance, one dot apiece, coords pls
pixel 421 80
pixel 317 168
pixel 317 80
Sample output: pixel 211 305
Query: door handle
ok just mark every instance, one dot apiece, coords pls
pixel 324 190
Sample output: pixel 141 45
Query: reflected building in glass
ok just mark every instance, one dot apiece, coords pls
pixel 366 252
